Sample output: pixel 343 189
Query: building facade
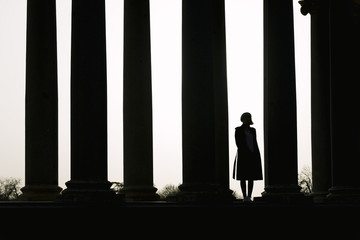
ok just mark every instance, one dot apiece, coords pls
pixel 335 129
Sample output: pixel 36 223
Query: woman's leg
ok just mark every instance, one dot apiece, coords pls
pixel 250 187
pixel 243 187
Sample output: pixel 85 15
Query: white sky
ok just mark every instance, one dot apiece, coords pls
pixel 244 26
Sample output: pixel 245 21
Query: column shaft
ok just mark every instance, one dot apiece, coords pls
pixel 221 97
pixel 280 128
pixel 320 101
pixel 204 101
pixel 137 103
pixel 88 103
pixel 344 90
pixel 41 103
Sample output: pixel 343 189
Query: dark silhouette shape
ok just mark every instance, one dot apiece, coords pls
pixel 247 163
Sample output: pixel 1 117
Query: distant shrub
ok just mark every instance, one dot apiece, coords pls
pixel 9 189
pixel 305 180
pixel 168 190
pixel 117 187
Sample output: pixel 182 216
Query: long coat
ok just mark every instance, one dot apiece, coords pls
pixel 247 164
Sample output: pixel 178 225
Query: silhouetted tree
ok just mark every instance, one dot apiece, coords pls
pixel 168 190
pixel 117 187
pixel 9 189
pixel 305 180
pixel 235 194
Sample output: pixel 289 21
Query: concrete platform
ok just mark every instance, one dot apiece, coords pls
pixel 183 220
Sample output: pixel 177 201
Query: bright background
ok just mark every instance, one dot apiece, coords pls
pixel 244 28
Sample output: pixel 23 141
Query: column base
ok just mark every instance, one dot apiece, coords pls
pixel 193 193
pixel 140 193
pixel 319 197
pixel 343 194
pixel 89 192
pixel 283 194
pixel 40 193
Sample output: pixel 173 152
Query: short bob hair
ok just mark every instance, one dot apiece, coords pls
pixel 244 115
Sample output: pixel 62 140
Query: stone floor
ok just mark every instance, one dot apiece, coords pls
pixel 180 220
pixel 236 204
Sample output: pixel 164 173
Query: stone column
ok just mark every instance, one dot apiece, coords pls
pixel 137 103
pixel 280 130
pixel 220 100
pixel 88 104
pixel 204 102
pixel 320 97
pixel 41 103
pixel 344 92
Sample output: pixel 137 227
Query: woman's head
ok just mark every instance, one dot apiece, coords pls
pixel 246 118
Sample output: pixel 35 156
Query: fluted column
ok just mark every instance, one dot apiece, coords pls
pixel 41 103
pixel 204 102
pixel 320 97
pixel 344 92
pixel 137 103
pixel 88 104
pixel 280 127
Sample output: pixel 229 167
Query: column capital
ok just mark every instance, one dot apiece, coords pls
pixel 305 6
pixel 311 6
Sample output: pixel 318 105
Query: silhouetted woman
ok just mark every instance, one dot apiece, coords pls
pixel 247 164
